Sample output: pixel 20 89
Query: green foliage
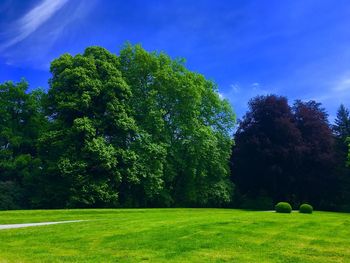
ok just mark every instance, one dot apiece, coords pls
pixel 181 117
pixel 341 125
pixel 137 129
pixel 283 207
pixel 89 141
pixel 306 209
pixel 10 195
pixel 21 123
pixel 348 151
pixel 341 130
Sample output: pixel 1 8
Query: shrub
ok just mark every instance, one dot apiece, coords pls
pixel 283 207
pixel 306 209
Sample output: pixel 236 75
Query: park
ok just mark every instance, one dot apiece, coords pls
pixel 174 131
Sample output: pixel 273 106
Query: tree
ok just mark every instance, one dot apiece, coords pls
pixel 137 129
pixel 21 123
pixel 341 127
pixel 341 130
pixel 87 150
pixel 316 181
pixel 184 125
pixel 266 147
pixel 286 153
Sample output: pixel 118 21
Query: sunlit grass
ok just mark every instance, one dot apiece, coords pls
pixel 176 235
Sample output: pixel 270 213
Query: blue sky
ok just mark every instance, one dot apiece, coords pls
pixel 300 48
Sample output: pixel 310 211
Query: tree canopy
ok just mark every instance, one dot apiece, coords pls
pixel 134 129
pixel 267 143
pixel 21 123
pixel 184 127
pixel 285 153
pixel 138 129
pixel 341 125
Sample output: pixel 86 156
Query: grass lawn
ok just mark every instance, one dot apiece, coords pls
pixel 176 235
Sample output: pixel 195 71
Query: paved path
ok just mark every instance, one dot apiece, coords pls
pixel 36 224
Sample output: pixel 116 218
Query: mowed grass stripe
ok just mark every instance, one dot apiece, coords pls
pixel 176 235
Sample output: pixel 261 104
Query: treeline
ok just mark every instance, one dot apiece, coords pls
pixel 138 129
pixel 133 130
pixel 291 153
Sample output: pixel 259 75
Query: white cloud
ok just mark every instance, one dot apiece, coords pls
pixel 32 20
pixel 343 84
pixel 256 85
pixel 234 88
pixel 338 90
pixel 63 19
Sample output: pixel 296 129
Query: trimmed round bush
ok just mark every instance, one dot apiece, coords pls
pixel 306 209
pixel 283 207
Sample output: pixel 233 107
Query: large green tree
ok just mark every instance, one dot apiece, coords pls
pixel 87 150
pixel 186 129
pixel 137 129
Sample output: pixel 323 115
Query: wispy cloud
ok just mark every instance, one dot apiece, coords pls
pixel 337 89
pixel 255 85
pixel 343 84
pixel 36 38
pixel 32 20
pixel 234 88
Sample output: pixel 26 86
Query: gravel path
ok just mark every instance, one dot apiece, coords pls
pixel 36 224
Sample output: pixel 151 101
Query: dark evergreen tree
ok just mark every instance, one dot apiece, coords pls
pixel 341 130
pixel 341 125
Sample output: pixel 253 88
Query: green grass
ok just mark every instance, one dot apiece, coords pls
pixel 176 235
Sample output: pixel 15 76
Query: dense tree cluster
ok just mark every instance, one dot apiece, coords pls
pixel 21 123
pixel 137 129
pixel 140 130
pixel 285 152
